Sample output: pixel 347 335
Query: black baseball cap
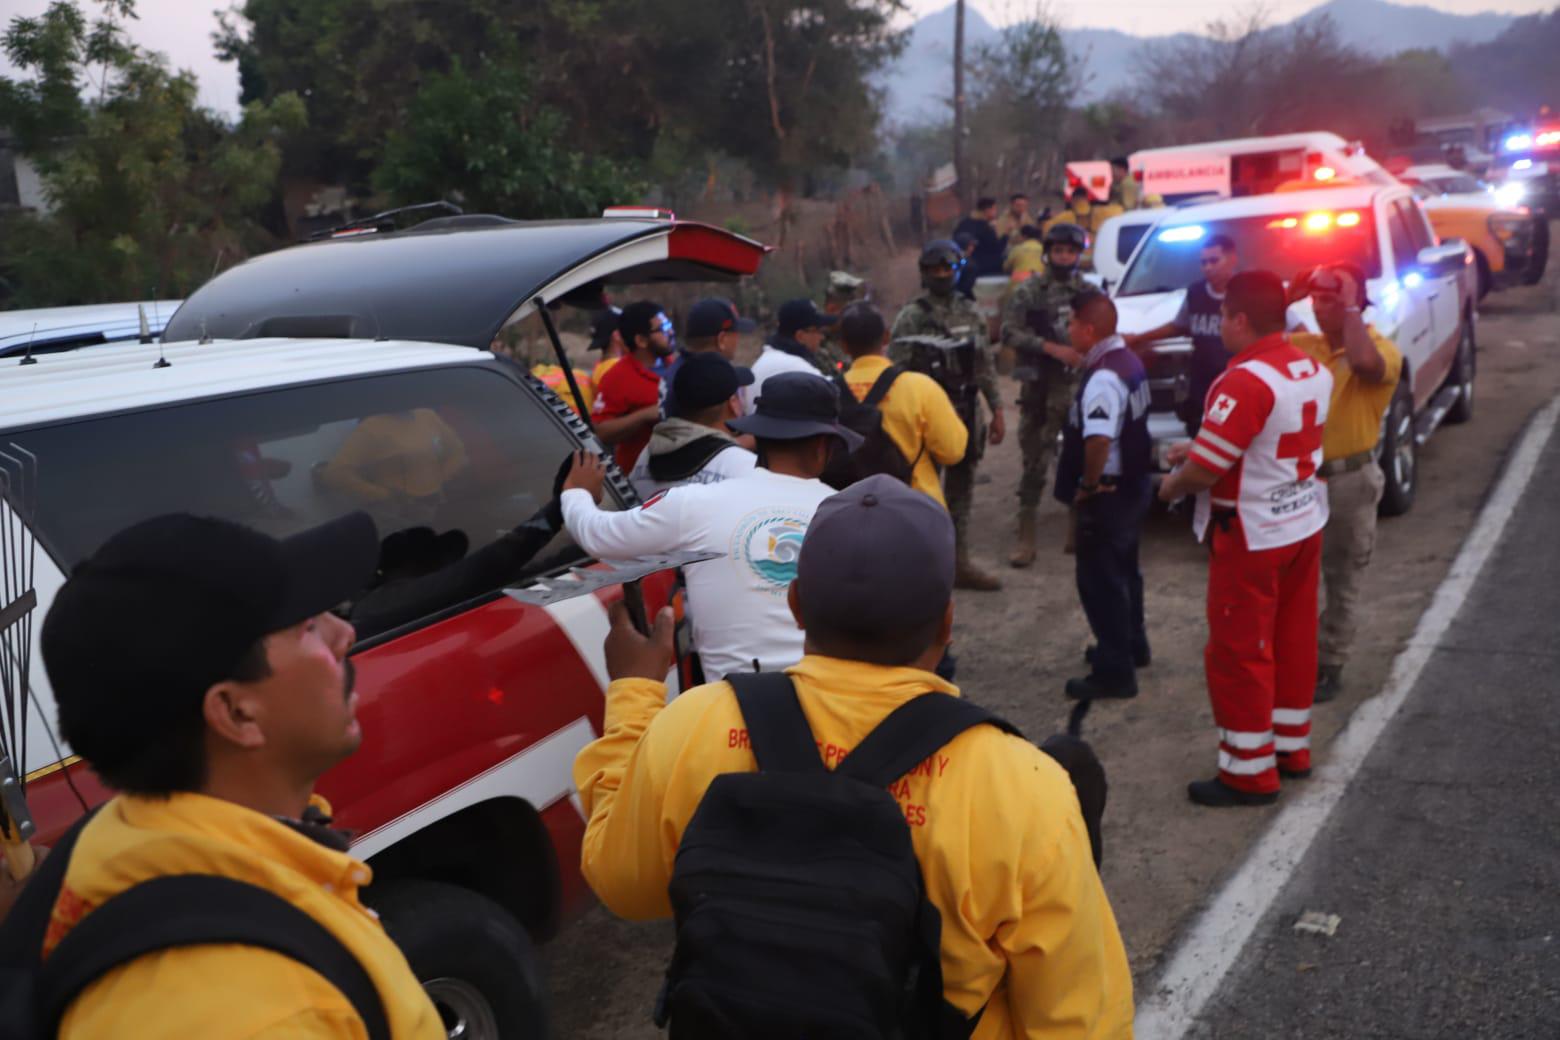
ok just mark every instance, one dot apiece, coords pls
pixel 796 315
pixel 168 607
pixel 706 379
pixel 602 325
pixel 711 317
pixel 793 405
pixel 877 560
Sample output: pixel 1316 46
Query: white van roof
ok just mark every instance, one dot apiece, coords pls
pixel 1318 140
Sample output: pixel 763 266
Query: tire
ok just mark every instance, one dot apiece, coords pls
pixel 471 955
pixel 1462 375
pixel 1540 257
pixel 1399 455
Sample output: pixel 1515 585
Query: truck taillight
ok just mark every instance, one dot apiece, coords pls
pixel 1325 173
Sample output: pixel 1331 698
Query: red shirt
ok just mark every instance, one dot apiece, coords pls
pixel 626 388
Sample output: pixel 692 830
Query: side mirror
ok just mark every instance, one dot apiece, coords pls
pixel 1445 259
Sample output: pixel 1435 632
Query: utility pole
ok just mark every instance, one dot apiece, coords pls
pixel 960 191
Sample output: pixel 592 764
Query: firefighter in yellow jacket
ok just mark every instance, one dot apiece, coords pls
pixel 1028 939
pixel 199 670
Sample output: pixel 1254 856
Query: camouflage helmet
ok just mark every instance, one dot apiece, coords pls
pixel 1065 234
pixel 942 251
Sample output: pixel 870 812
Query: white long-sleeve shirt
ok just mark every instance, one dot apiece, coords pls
pixel 736 604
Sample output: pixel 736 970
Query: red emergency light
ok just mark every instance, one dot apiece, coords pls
pixel 1319 221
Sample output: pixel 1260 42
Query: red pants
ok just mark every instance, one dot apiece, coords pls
pixel 1261 655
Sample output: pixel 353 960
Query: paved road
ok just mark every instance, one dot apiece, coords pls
pixel 1443 858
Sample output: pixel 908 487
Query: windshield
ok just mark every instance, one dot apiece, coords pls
pixel 1460 184
pixel 1287 243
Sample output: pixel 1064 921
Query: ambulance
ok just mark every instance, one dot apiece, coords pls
pixel 1253 166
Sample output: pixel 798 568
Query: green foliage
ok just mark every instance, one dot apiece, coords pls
pixel 785 84
pixel 479 139
pixel 149 193
pixel 1023 87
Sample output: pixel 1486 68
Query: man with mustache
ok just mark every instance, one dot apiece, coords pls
pixel 199 671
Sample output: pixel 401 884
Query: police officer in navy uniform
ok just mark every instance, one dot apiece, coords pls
pixel 1200 319
pixel 1104 474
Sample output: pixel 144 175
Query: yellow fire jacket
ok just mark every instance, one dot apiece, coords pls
pixel 1027 932
pixel 228 991
pixel 918 417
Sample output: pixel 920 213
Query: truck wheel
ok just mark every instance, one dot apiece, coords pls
pixel 1399 455
pixel 473 958
pixel 1462 375
pixel 1485 278
pixel 1540 258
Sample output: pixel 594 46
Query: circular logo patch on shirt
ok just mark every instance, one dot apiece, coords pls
pixel 769 542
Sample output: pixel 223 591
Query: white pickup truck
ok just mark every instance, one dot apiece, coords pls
pixel 1422 296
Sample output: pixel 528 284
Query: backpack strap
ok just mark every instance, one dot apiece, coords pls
pixel 881 386
pixel 782 740
pixel 21 940
pixel 197 909
pixel 912 733
pixel 689 459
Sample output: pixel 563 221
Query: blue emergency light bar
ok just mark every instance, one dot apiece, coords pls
pixel 1189 233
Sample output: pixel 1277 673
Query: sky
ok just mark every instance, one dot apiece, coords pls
pixel 182 29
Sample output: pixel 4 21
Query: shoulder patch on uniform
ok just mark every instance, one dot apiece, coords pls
pixel 654 499
pixel 1099 412
pixel 1222 408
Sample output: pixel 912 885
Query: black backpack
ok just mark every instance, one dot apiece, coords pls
pixel 878 452
pixel 799 902
pixel 164 912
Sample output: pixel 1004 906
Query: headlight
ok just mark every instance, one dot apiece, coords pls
pixel 1509 195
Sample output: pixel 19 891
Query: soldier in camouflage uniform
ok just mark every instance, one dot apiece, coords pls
pixel 844 289
pixel 941 311
pixel 1034 326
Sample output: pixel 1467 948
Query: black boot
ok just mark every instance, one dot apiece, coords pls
pixel 1141 658
pixel 1216 794
pixel 1329 683
pixel 1094 687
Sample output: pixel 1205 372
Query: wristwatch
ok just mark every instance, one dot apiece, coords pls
pixel 1088 488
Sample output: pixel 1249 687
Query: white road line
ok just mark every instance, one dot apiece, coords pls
pixel 1215 941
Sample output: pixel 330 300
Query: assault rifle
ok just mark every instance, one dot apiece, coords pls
pixel 1034 365
pixel 951 363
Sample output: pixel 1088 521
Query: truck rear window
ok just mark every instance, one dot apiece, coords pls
pixel 1285 243
pixel 447 461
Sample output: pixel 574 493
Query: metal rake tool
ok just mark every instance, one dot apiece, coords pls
pixel 582 581
pixel 18 598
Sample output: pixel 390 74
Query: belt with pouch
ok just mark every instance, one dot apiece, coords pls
pixel 1347 464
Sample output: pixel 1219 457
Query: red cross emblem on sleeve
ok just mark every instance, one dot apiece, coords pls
pixel 1301 444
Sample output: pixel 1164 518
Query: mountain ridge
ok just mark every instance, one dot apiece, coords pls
pixel 918 84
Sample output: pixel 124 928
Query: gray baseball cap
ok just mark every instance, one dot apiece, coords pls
pixel 877 559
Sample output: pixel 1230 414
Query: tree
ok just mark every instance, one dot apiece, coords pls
pixel 785 84
pixel 149 193
pixel 1023 87
pixel 482 141
pixel 1244 79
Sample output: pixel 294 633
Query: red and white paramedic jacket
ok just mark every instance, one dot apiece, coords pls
pixel 1262 432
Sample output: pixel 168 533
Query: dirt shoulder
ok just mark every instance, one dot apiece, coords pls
pixel 1016 648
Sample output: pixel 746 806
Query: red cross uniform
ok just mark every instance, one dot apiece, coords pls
pixel 1262 433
